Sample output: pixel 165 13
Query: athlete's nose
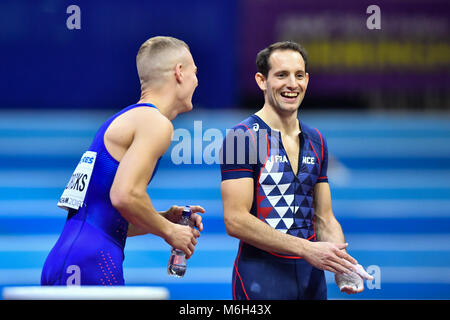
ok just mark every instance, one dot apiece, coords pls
pixel 292 84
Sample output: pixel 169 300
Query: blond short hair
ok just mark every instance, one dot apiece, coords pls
pixel 157 56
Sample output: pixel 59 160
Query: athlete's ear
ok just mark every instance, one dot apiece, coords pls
pixel 306 79
pixel 261 81
pixel 179 72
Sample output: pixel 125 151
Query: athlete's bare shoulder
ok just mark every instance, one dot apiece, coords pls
pixel 150 119
pixel 143 121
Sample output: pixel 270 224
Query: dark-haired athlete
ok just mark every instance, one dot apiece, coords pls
pixel 276 195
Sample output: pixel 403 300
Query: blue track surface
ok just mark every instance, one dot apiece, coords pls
pixel 390 182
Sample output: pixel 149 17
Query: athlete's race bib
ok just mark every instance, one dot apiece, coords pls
pixel 75 192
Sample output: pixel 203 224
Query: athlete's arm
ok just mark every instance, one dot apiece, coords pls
pixel 135 231
pixel 128 193
pixel 237 197
pixel 326 225
pixel 173 215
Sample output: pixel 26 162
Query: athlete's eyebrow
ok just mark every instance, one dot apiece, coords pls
pixel 287 71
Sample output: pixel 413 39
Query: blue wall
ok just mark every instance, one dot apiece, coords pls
pixel 46 65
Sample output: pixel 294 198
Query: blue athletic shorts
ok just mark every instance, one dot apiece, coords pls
pixel 259 275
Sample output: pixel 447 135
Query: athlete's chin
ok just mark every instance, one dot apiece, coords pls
pixel 289 108
pixel 188 107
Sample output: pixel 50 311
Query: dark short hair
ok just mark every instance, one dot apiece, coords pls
pixel 262 59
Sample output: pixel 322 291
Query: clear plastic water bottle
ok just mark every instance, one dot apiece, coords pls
pixel 177 260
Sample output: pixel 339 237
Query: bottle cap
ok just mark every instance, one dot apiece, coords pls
pixel 186 212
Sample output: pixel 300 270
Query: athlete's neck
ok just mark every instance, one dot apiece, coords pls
pixel 164 105
pixel 287 123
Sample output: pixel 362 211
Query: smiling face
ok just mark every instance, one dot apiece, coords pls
pixel 286 82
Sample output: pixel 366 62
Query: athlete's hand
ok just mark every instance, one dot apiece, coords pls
pixel 330 256
pixel 183 238
pixel 352 283
pixel 174 215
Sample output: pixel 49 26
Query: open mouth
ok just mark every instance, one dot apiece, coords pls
pixel 289 96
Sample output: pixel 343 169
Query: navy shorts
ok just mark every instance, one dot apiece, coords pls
pixel 259 275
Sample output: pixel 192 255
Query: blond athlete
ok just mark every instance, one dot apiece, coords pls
pixel 124 156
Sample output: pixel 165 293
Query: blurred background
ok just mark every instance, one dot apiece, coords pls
pixel 380 96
